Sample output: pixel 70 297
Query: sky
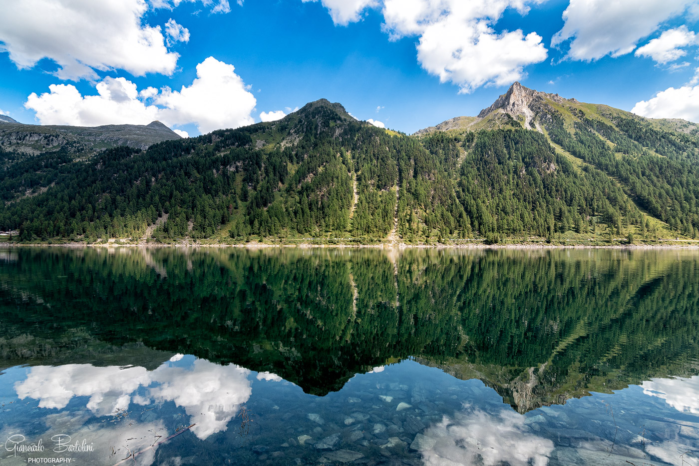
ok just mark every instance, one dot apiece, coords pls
pixel 202 65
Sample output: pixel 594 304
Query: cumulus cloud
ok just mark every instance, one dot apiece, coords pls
pixel 682 394
pixel 209 393
pixel 109 388
pixel 219 6
pixel 667 47
pixel 181 133
pixel 344 12
pixel 269 377
pixel 600 27
pixel 217 98
pixel 457 41
pixel 671 103
pixel 376 123
pixel 82 36
pixel 474 437
pixel 272 116
pixel 175 32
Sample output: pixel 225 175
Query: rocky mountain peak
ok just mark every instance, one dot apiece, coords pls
pixel 515 101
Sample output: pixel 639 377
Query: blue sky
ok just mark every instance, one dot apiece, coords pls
pixel 365 54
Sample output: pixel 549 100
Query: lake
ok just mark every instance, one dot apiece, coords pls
pixel 349 356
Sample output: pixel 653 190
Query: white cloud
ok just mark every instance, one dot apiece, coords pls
pixel 674 452
pixel 671 103
pixel 457 41
pixel 4 113
pixel 678 66
pixel 376 123
pixel 82 36
pixel 601 27
pixel 272 116
pixel 268 376
pixel 116 103
pixel 216 99
pixel 181 133
pixel 682 394
pixel 495 439
pixel 175 32
pixel 344 12
pixel 109 388
pixel 220 6
pixel 667 47
pixel 209 393
pixel 379 108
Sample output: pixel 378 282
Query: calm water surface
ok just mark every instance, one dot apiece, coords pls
pixel 349 357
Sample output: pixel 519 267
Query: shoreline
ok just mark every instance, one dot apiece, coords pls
pixel 384 246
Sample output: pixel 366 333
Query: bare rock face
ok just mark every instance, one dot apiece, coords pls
pixel 521 101
pixel 515 101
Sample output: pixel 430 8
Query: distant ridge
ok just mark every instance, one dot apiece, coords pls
pixel 6 119
pixel 34 139
pixel 527 108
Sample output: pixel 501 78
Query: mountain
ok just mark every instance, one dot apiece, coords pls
pixel 6 119
pixel 529 168
pixel 35 139
pixel 521 107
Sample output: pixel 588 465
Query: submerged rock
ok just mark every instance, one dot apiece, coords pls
pixel 356 435
pixel 303 439
pixel 343 456
pixel 402 406
pixel 387 399
pixel 349 420
pixel 352 399
pixel 413 425
pixel 379 428
pixel 394 442
pixel 328 442
pixel 422 443
pixel 316 418
pixel 360 416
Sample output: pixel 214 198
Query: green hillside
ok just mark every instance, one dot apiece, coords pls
pixel 532 167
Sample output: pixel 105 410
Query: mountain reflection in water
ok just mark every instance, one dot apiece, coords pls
pixel 339 356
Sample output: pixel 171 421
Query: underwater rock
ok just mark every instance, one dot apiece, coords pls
pixel 316 418
pixel 394 442
pixel 422 443
pixel 387 399
pixel 413 425
pixel 328 442
pixel 259 449
pixel 349 420
pixel 356 435
pixel 360 416
pixel 402 406
pixel 379 428
pixel 343 456
pixel 303 439
pixel 352 399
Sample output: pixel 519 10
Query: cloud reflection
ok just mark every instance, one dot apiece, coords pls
pixel 210 394
pixel 476 437
pixel 681 394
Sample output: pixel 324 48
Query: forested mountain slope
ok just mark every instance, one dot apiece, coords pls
pixel 532 164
